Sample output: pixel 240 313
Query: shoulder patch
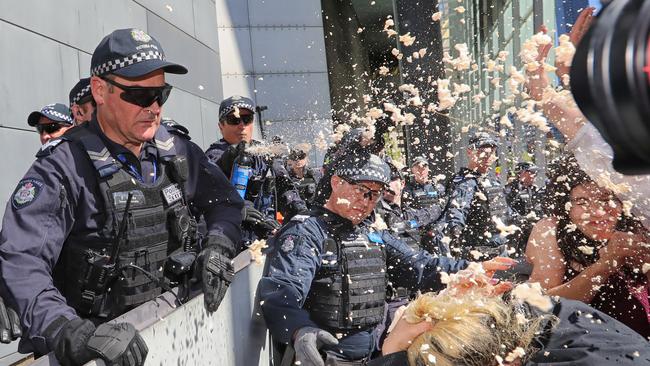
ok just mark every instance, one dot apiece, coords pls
pixel 375 237
pixel 49 146
pixel 26 192
pixel 288 243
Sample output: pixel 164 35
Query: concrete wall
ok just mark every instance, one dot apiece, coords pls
pixel 47 45
pixel 275 54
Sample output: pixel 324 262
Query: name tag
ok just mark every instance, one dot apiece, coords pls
pixel 172 194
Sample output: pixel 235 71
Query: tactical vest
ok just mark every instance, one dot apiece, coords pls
pixel 348 292
pixel 157 223
pixel 496 198
pixel 423 196
pixel 403 229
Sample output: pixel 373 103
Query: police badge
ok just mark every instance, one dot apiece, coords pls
pixel 26 192
pixel 140 36
pixel 287 244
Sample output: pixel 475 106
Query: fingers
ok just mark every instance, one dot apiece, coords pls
pixel 327 338
pixel 5 324
pixel 497 264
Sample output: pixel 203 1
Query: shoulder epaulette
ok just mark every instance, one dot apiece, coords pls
pixel 49 146
pixel 176 128
pixel 300 218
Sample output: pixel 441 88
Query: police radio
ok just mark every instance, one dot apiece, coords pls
pixel 101 270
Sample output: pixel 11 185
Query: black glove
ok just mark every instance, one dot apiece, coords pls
pixel 307 344
pixel 216 273
pixel 227 160
pixel 78 342
pixel 258 221
pixel 9 324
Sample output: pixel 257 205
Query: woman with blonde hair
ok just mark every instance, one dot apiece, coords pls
pixel 474 324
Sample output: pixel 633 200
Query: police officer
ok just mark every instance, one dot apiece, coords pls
pixel 82 104
pixel 293 177
pixel 236 117
pixel 51 121
pixel 88 228
pixel 403 221
pixel 420 191
pixel 522 194
pixel 327 274
pixel 476 203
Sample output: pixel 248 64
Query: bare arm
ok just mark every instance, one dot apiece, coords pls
pixel 549 266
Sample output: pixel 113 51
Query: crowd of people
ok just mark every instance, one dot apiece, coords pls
pixel 120 205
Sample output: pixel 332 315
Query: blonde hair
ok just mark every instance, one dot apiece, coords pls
pixel 470 329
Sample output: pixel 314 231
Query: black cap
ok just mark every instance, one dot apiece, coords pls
pixel 228 105
pixel 130 53
pixel 366 167
pixel 80 93
pixel 395 173
pixel 482 139
pixel 526 166
pixel 57 112
pixel 420 160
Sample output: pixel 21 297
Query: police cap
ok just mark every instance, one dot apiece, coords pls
pixel 526 166
pixel 130 53
pixel 80 93
pixel 236 101
pixel 482 139
pixel 364 167
pixel 57 112
pixel 420 160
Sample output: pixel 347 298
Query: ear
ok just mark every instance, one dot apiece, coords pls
pixel 336 181
pixel 98 89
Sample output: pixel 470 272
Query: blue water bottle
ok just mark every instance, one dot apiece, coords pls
pixel 242 169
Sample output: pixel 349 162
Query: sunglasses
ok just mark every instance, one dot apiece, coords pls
pixel 233 120
pixel 142 96
pixel 49 128
pixel 366 192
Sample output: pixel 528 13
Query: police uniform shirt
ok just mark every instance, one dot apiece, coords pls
pixel 60 195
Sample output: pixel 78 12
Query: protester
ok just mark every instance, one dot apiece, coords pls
pixel 589 250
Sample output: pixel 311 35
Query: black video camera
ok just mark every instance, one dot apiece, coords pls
pixel 610 81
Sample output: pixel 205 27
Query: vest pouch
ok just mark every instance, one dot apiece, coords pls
pixel 140 276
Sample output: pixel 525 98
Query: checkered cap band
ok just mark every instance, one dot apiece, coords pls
pixel 117 64
pixel 231 108
pixel 364 174
pixel 59 115
pixel 82 93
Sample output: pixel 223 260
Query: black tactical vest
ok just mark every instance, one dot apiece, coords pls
pixel 422 196
pixel 348 292
pixel 403 229
pixel 158 222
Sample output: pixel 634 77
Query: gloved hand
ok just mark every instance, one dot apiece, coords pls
pixel 216 273
pixel 257 220
pixel 9 324
pixel 78 342
pixel 228 158
pixel 308 341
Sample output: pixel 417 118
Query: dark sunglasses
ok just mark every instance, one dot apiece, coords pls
pixel 233 120
pixel 142 96
pixel 368 194
pixel 49 128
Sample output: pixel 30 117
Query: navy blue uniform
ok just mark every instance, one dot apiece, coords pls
pixel 420 196
pixel 298 254
pixel 294 194
pixel 59 196
pixel 467 222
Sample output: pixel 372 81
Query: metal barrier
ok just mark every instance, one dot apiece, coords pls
pixel 234 335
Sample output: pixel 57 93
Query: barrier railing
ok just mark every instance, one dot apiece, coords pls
pixel 187 335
